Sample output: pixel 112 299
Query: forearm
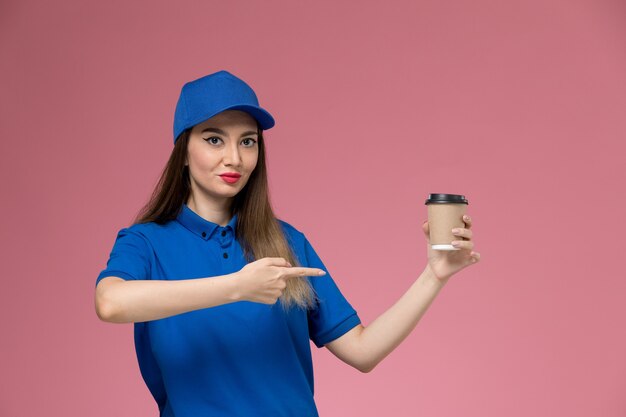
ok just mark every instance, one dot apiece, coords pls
pixel 385 333
pixel 145 300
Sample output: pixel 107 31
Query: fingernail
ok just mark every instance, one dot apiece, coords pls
pixel 322 272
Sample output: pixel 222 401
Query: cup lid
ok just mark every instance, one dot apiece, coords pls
pixel 446 199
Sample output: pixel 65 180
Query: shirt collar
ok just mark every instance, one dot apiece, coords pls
pixel 199 225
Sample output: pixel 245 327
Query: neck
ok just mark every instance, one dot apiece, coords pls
pixel 213 211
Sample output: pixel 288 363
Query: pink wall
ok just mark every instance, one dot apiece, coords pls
pixel 518 105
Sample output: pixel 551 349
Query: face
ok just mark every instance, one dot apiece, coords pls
pixel 225 143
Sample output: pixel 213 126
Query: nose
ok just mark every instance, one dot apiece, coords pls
pixel 231 155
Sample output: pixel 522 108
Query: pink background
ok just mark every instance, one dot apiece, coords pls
pixel 518 105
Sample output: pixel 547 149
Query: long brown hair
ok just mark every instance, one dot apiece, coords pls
pixel 257 229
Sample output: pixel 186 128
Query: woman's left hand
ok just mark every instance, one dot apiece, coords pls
pixel 445 263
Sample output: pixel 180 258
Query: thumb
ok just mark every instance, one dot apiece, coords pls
pixel 426 229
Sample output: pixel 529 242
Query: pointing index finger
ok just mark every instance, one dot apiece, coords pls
pixel 305 272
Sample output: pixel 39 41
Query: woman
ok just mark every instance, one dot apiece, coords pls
pixel 224 296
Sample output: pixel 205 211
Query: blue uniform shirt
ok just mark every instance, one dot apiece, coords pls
pixel 236 359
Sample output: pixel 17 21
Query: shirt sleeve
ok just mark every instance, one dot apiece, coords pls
pixel 129 258
pixel 333 315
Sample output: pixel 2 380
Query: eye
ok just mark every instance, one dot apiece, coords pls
pixel 210 139
pixel 251 144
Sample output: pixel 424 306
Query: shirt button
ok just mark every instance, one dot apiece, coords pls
pixel 223 232
pixel 225 255
pixel 203 234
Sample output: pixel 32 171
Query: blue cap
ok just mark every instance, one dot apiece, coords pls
pixel 205 97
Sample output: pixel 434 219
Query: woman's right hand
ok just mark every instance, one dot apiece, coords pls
pixel 264 280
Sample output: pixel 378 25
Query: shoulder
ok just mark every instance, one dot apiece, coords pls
pixel 146 232
pixel 295 235
pixel 140 229
pixel 289 227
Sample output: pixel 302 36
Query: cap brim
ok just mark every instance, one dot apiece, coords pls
pixel 265 120
pixel 261 115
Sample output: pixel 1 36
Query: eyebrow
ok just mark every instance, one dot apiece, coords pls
pixel 221 132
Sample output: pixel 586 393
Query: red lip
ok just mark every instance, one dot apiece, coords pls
pixel 230 177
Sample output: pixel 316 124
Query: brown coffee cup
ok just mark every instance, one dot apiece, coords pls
pixel 445 212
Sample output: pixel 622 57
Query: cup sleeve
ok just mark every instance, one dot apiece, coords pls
pixel 333 315
pixel 129 258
